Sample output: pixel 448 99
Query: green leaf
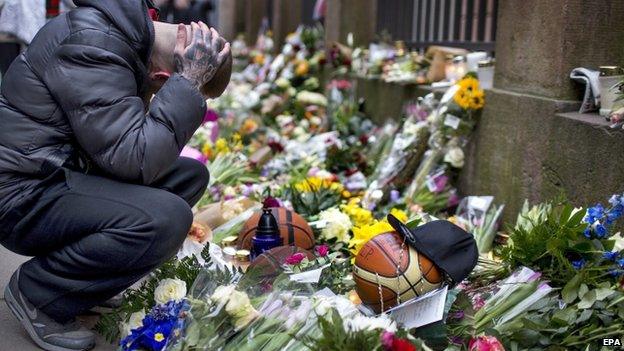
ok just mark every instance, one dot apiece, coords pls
pixel 603 293
pixel 587 300
pixel 564 218
pixel 583 289
pixel 570 290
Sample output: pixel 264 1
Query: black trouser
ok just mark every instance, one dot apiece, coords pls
pixel 98 236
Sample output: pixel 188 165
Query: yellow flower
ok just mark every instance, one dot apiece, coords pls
pixel 159 337
pixel 258 59
pixel 313 184
pixel 469 95
pixel 359 216
pixel 361 235
pixel 399 214
pixel 221 146
pixel 207 150
pixel 303 67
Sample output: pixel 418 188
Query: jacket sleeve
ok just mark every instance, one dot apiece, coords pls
pixel 97 91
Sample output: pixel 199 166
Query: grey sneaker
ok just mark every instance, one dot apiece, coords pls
pixel 46 332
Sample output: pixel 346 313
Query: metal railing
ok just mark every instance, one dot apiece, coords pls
pixel 469 24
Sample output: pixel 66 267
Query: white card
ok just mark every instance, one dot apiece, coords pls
pixel 424 310
pixel 312 276
pixel 431 185
pixel 480 203
pixel 452 121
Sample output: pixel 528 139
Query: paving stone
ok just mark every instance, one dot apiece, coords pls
pixel 13 337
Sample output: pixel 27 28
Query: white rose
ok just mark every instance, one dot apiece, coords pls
pixel 360 323
pixel 322 307
pixel 222 294
pixel 240 308
pixel 170 290
pixel 134 322
pixel 338 225
pixel 455 156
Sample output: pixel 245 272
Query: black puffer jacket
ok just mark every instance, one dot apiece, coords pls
pixel 74 99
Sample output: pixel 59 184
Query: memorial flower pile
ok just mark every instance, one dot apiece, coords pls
pixel 554 278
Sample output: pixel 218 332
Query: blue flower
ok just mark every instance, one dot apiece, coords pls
pixel 579 264
pixel 596 211
pixel 615 272
pixel 587 232
pixel 156 329
pixel 601 230
pixel 620 262
pixel 610 255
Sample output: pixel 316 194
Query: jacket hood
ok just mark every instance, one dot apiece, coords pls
pixel 131 17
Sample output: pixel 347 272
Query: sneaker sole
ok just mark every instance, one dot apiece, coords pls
pixel 19 313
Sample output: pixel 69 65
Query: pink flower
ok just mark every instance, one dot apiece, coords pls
pixel 477 302
pixel 386 339
pixel 322 250
pixel 295 259
pixel 193 153
pixel 210 116
pixel 485 343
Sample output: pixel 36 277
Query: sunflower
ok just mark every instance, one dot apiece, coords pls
pixel 469 96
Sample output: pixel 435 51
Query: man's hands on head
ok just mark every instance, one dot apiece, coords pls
pixel 199 61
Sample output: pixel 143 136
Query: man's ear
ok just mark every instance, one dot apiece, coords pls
pixel 160 75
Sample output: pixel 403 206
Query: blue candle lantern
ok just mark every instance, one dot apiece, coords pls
pixel 267 234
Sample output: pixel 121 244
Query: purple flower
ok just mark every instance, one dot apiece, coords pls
pixel 440 183
pixel 395 196
pixel 271 202
pixel 457 315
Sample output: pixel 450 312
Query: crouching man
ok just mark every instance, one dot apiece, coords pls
pixel 92 120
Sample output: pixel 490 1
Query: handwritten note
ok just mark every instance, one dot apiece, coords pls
pixel 424 310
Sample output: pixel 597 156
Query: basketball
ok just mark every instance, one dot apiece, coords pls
pixel 293 229
pixel 266 267
pixel 388 272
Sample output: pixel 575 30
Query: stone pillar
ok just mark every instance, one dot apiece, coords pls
pixel 255 12
pixel 287 16
pixel 539 42
pixel 230 18
pixel 530 142
pixel 351 16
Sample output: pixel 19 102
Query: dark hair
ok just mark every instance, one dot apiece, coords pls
pixel 216 86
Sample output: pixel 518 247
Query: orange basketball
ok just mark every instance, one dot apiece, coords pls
pixel 266 267
pixel 388 272
pixel 293 228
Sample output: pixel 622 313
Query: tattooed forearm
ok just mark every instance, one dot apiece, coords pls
pixel 198 62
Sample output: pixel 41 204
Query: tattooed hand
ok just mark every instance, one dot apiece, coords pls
pixel 198 62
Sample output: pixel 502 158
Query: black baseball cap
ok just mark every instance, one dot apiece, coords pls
pixel 450 248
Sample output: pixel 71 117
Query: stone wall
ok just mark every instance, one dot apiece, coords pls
pixel 529 144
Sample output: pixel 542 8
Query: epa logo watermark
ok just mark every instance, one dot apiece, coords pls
pixel 612 342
